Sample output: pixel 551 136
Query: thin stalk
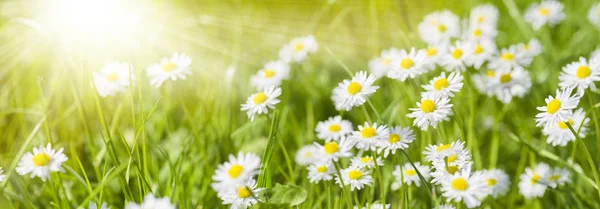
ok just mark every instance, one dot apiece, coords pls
pixel 586 152
pixel 345 192
pixel 381 183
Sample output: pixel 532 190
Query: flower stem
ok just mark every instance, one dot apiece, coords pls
pixel 586 152
pixel 381 183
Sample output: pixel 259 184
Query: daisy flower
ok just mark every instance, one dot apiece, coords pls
pixel 484 81
pixel 510 57
pixel 558 176
pixel 594 15
pixel 177 67
pixel 399 138
pixel 467 187
pixel 369 136
pixel 533 181
pixel 354 93
pixel 497 181
pixel 431 110
pixel 260 103
pixel 595 54
pixel 531 49
pixel 479 32
pixel 407 65
pixel 439 27
pixel 41 162
pixel 486 14
pixel 447 159
pixel 320 172
pixel 357 178
pixel 151 202
pixel 433 55
pixel 557 108
pixel 333 150
pixel 272 74
pixel 509 83
pixel 242 196
pixel 112 78
pixel 307 154
pixel 333 129
pixel 298 49
pixel 380 66
pixel 480 52
pixel 409 175
pixel 2 176
pixel 98 206
pixel 455 59
pixel 546 12
pixel 235 171
pixel 580 75
pixel 559 134
pixel 444 87
pixel 366 162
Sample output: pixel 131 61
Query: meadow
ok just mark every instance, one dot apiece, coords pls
pixel 299 104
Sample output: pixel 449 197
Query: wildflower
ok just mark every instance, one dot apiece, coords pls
pixel 409 175
pixel 580 75
pixel 369 136
pixel 113 77
pixel 41 162
pixel 431 110
pixel 333 129
pixel 557 108
pixel 272 74
pixel 444 87
pixel 375 206
pixel 357 178
pixel 242 196
pixel 307 154
pixel 534 181
pixel 486 14
pixel 380 66
pixel 320 171
pixel 235 171
pixel 480 32
pixel 480 52
pixel 334 150
pixel 594 15
pixel 177 67
pixel 531 49
pixel 354 93
pixel 151 202
pixel 366 162
pixel 467 187
pixel 558 176
pixel 456 57
pixel 399 138
pixel 510 57
pixel 407 65
pixel 508 83
pixel 261 102
pixel 559 133
pixel 546 12
pixel 439 27
pixel 298 49
pixel 434 55
pixel 497 181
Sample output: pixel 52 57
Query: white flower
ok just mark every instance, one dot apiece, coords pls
pixel 2 176
pixel 547 12
pixel 375 206
pixel 434 55
pixel 580 75
pixel 112 78
pixel 353 93
pixel 486 14
pixel 272 74
pixel 242 196
pixel 177 67
pixel 399 138
pixel 594 15
pixel 479 53
pixel 380 66
pixel 484 82
pixel 533 182
pixel 446 206
pixel 235 171
pixel 333 129
pixel 595 54
pixel 298 49
pixel 307 154
pixel 444 87
pixel 366 162
pixel 558 176
pixel 559 133
pixel 334 150
pixel 508 83
pixel 98 206
pixel 497 181
pixel 531 49
pixel 431 110
pixel 151 202
pixel 456 57
pixel 260 103
pixel 321 171
pixel 510 57
pixel 409 175
pixel 448 157
pixel 41 162
pixel 369 136
pixel 467 187
pixel 479 32
pixel 557 108
pixel 407 65
pixel 439 27
pixel 357 178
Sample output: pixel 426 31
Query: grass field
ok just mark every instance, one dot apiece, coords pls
pixel 169 141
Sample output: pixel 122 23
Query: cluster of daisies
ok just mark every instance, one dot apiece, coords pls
pixel 234 180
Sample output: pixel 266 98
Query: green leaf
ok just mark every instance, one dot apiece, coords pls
pixel 290 195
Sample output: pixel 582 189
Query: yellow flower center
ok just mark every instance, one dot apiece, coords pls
pixel 477 32
pixel 269 73
pixel 260 98
pixel 563 125
pixel 535 178
pixel 583 72
pixel 299 47
pixel 331 147
pixel 490 73
pixel 544 11
pixel 553 106
pixel 112 77
pixel 554 177
pixel 334 128
pixel 368 132
pixel 443 147
pixel 491 182
pixel 307 154
pixel 355 174
pixel 235 171
pixel 322 169
pixel 441 83
pixel 478 49
pixel 41 159
pixel 354 88
pixel 507 56
pixel 394 138
pixel 442 28
pixel 526 47
pixel 427 106
pixel 386 61
pixel 431 52
pixel 410 172
pixel 452 169
pixel 505 78
pixel 169 67
pixel 243 192
pixel 457 53
pixel 480 19
pixel 451 158
pixel 406 63
pixel 460 184
pixel 366 159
